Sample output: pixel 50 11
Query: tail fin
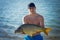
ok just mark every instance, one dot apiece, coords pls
pixel 47 30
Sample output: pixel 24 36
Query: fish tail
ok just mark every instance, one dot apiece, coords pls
pixel 47 30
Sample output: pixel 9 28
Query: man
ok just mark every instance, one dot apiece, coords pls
pixel 33 18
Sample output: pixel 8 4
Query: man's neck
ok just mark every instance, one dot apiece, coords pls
pixel 32 13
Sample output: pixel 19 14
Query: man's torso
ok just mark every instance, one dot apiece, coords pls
pixel 33 19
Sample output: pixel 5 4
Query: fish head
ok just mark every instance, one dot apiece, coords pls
pixel 19 30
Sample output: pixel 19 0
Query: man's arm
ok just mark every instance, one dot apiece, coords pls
pixel 42 22
pixel 25 20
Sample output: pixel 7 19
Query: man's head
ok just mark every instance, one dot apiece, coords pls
pixel 31 8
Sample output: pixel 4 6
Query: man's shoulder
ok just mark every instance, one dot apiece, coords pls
pixel 40 16
pixel 26 16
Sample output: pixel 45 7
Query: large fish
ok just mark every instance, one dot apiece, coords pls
pixel 30 29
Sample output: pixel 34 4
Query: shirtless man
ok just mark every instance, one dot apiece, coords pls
pixel 34 18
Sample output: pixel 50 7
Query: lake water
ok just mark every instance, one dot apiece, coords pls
pixel 12 11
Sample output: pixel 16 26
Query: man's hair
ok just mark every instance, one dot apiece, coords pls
pixel 31 5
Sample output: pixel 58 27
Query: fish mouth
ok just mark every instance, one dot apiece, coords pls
pixel 15 32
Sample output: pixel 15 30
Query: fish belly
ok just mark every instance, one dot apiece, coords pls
pixel 30 30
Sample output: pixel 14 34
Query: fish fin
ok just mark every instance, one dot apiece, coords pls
pixel 30 35
pixel 47 30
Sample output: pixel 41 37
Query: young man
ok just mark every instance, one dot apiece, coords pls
pixel 33 18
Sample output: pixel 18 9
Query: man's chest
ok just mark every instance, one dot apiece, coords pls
pixel 33 20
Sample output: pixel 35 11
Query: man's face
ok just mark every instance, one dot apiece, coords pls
pixel 31 9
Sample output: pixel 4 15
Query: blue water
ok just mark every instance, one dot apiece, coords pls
pixel 12 11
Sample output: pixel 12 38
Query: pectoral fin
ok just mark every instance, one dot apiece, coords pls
pixel 31 34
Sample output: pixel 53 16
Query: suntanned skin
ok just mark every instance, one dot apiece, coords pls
pixel 34 18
